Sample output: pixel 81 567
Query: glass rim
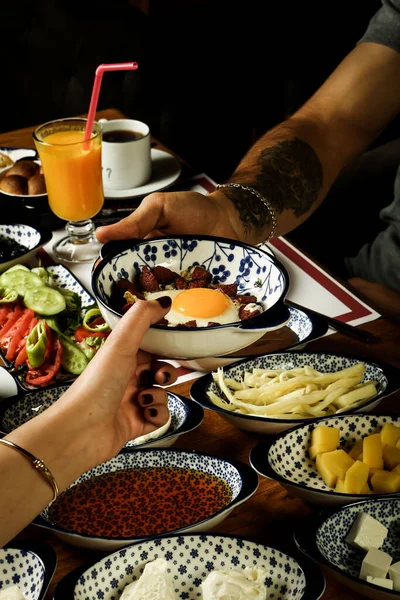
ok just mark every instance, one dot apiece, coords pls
pixel 66 120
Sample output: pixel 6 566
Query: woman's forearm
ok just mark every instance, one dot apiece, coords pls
pixel 64 448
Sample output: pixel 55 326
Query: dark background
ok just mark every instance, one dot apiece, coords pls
pixel 212 77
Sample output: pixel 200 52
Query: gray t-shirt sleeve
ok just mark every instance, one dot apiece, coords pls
pixel 384 27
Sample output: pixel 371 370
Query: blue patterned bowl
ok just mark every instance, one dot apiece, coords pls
pixel 190 558
pixel 286 460
pixel 30 237
pixel 29 565
pixel 387 377
pixel 255 271
pixel 186 415
pixel 240 477
pixel 322 538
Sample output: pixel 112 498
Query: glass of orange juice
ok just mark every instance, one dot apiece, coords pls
pixel 72 171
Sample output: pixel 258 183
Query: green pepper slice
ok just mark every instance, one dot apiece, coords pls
pixel 7 295
pixel 36 344
pixel 91 314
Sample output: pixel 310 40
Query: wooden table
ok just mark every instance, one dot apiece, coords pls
pixel 271 514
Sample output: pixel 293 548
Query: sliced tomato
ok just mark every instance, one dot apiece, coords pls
pixel 81 333
pixel 11 319
pixel 48 370
pixel 17 332
pixel 4 312
pixel 21 356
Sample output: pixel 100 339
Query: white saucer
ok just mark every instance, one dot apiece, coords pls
pixel 165 171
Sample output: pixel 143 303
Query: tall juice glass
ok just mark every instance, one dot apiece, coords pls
pixel 72 171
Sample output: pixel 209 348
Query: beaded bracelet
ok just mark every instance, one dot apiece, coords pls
pixel 37 464
pixel 266 203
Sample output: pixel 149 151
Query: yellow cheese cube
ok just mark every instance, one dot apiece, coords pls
pixel 340 486
pixel 356 450
pixel 391 457
pixel 385 482
pixel 325 436
pixel 356 478
pixel 373 470
pixel 366 489
pixel 318 449
pixel 324 471
pixel 390 434
pixel 396 469
pixel 398 444
pixel 359 457
pixel 372 450
pixel 337 462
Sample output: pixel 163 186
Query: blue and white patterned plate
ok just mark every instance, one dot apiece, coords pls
pixel 186 415
pixel 286 460
pixel 64 279
pixel 255 272
pixel 323 539
pixel 240 477
pixel 190 559
pixel 29 565
pixel 388 379
pixel 30 237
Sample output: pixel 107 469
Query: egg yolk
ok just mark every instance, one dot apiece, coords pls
pixel 200 302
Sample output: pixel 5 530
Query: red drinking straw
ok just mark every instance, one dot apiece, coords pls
pixel 132 66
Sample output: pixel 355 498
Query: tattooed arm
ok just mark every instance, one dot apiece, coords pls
pixel 293 165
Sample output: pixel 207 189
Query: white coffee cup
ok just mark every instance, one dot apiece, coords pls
pixel 126 153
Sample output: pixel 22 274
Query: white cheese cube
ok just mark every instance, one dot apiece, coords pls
pixel 11 593
pixel 386 583
pixel 366 532
pixel 376 563
pixel 394 574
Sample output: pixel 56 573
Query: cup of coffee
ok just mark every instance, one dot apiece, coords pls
pixel 126 154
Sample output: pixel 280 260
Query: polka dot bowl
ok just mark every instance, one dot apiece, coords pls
pixel 285 459
pixel 28 565
pixel 186 415
pixel 322 538
pixel 386 376
pixel 255 271
pixel 238 479
pixel 190 558
pixel 26 235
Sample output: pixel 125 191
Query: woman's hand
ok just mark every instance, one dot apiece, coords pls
pixel 176 213
pixel 114 396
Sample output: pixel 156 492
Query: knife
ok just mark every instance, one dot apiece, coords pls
pixel 339 326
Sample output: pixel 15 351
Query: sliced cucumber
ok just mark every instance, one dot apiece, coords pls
pixel 73 360
pixel 20 280
pixel 44 300
pixel 16 267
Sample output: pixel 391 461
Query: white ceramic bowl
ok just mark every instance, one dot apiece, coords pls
pixel 285 459
pixel 303 327
pixel 322 538
pixel 28 564
pixel 388 379
pixel 185 414
pixel 190 558
pixel 240 477
pixel 255 271
pixel 31 237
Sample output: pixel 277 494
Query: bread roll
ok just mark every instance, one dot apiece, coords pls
pixel 36 184
pixel 25 168
pixel 14 184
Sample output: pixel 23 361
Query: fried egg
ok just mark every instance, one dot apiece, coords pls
pixel 203 305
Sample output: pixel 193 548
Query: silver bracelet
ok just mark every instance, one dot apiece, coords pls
pixel 266 203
